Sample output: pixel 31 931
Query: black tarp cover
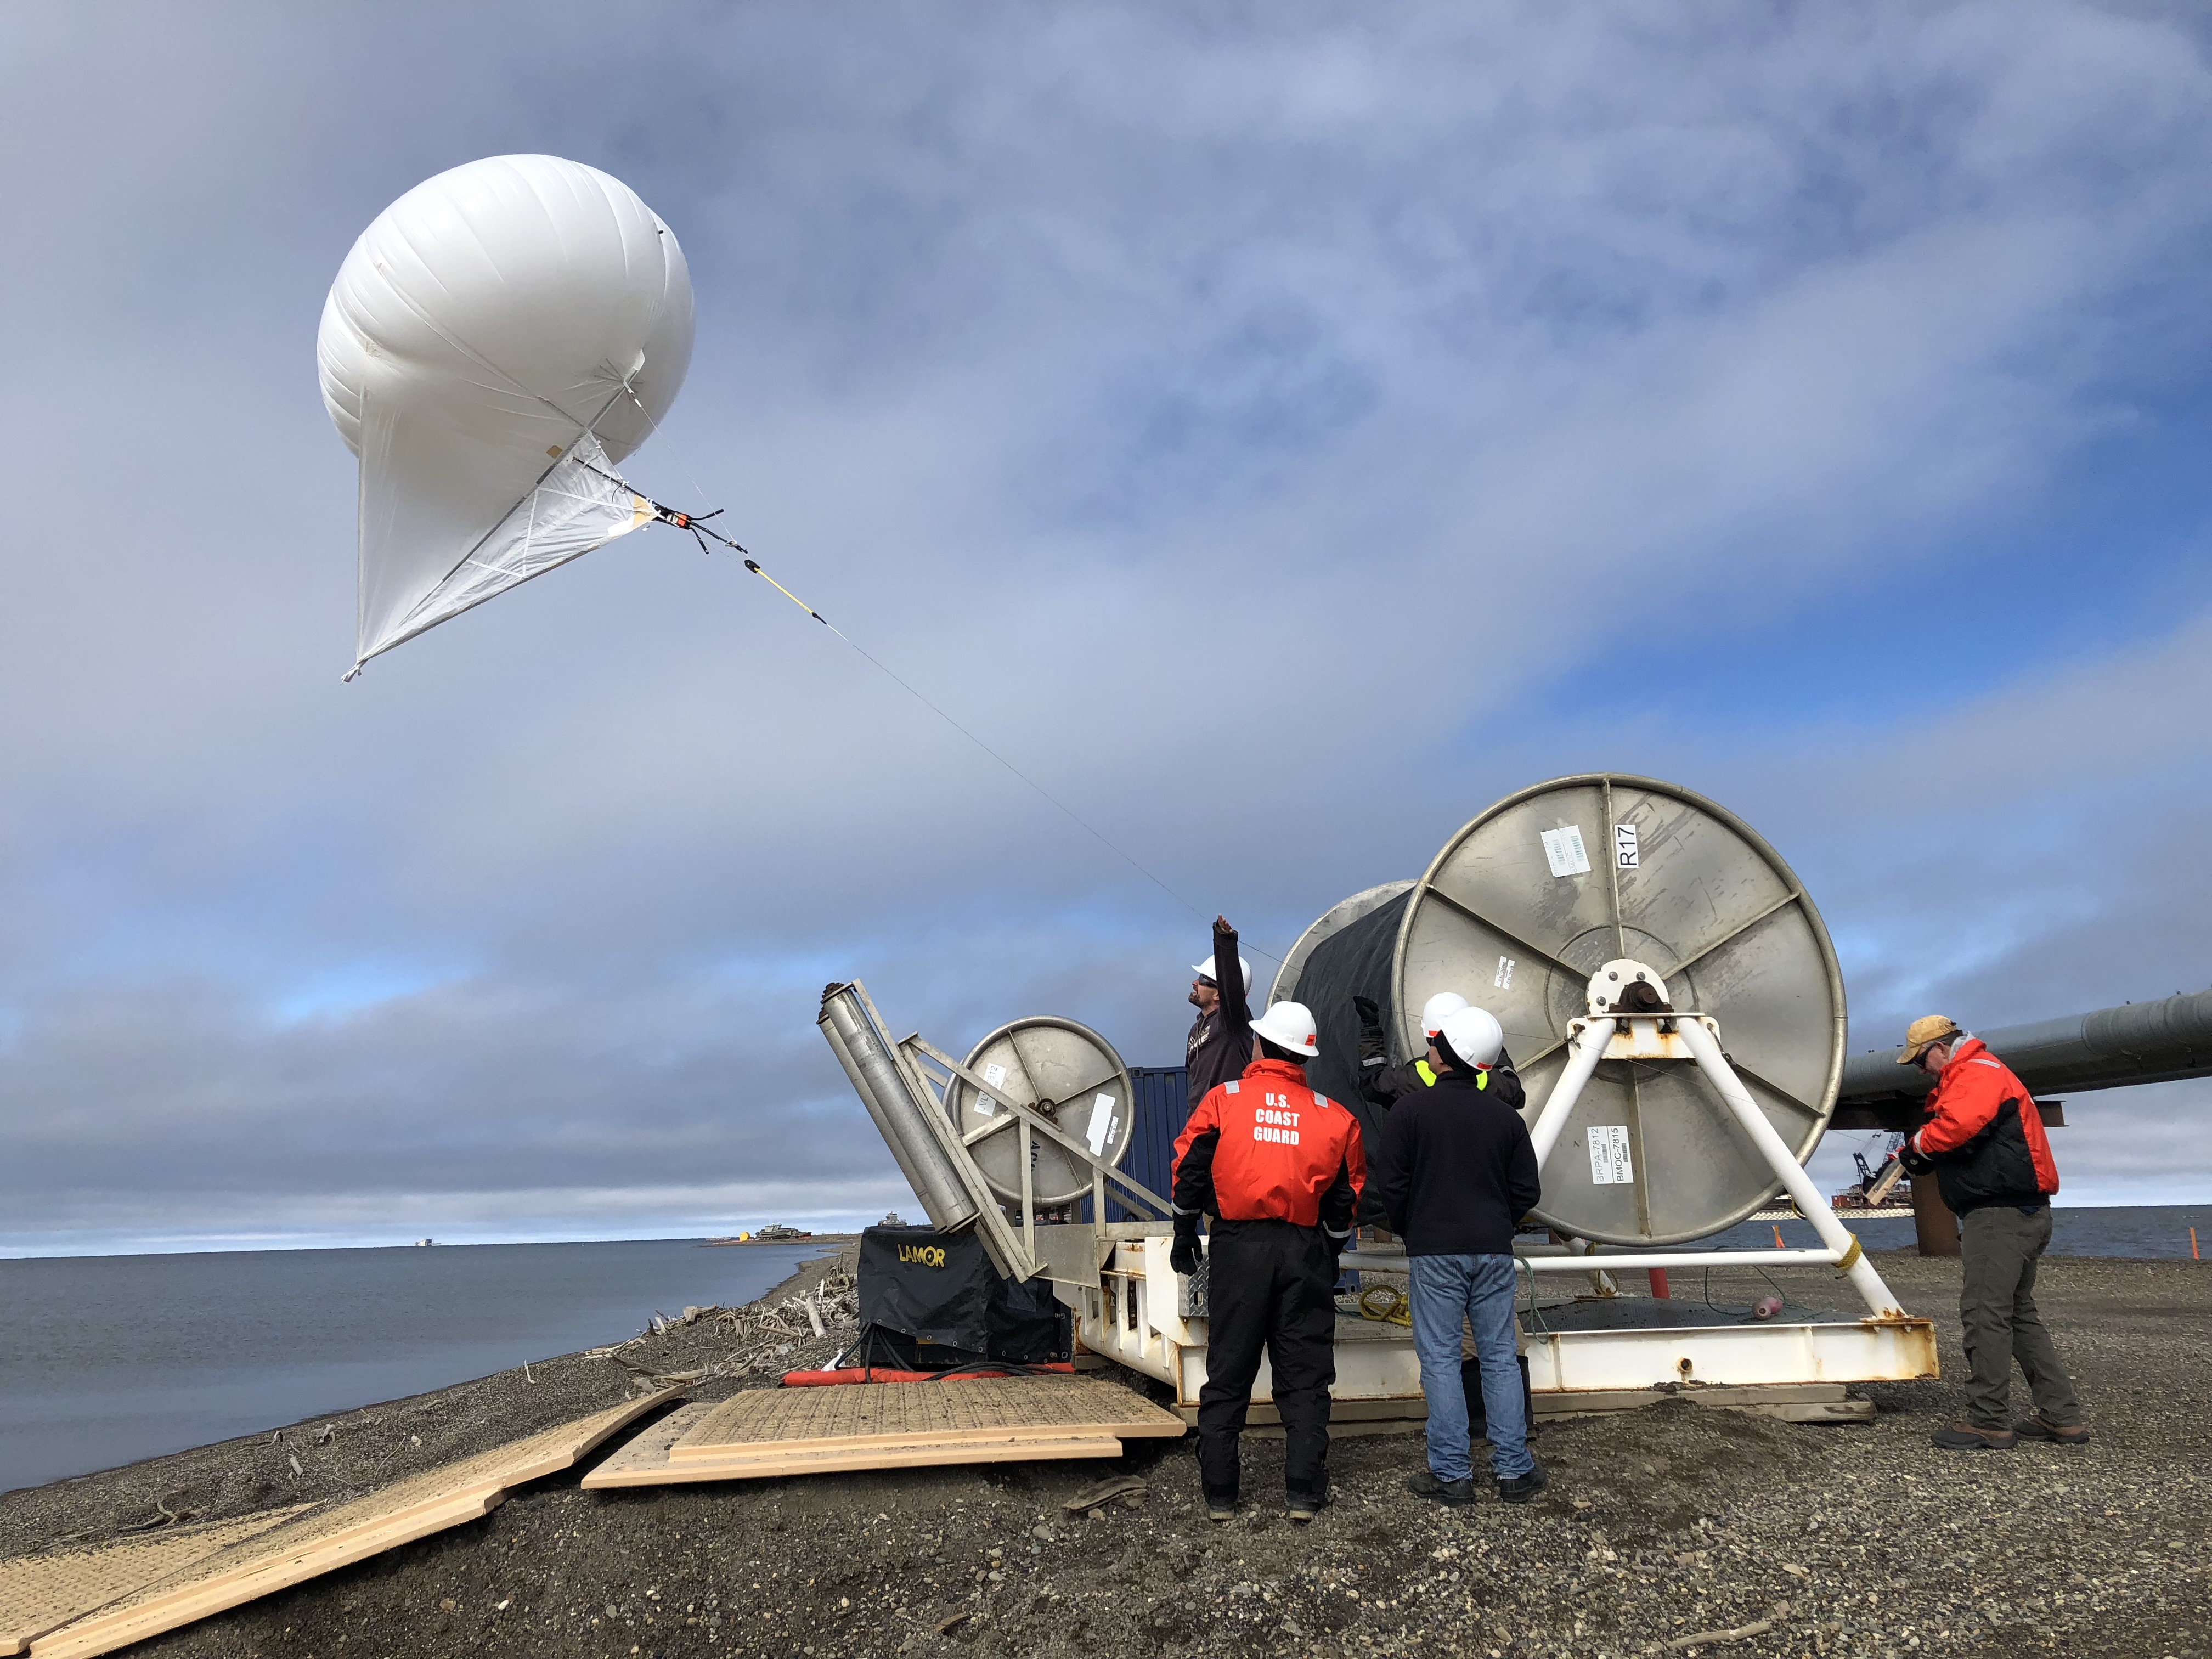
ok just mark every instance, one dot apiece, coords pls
pixel 940 1293
pixel 1353 961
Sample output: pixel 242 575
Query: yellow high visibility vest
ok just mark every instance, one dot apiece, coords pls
pixel 1429 1077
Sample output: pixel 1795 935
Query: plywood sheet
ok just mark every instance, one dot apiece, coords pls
pixel 39 1593
pixel 645 1461
pixel 336 1536
pixel 885 1415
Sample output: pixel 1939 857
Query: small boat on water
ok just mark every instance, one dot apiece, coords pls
pixel 774 1234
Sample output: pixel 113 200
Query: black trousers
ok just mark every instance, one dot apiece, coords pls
pixel 1271 1287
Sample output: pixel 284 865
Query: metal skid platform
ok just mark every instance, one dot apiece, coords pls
pixel 1607 1354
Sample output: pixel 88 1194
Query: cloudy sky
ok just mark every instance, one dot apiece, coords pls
pixel 1283 430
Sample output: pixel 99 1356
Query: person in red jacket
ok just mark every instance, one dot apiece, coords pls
pixel 1279 1168
pixel 1983 1143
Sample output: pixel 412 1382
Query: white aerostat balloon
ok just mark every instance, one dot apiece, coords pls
pixel 497 341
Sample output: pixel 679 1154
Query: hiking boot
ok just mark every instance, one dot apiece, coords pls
pixel 1221 1507
pixel 2035 1428
pixel 1967 1437
pixel 1524 1488
pixel 1427 1482
pixel 1304 1505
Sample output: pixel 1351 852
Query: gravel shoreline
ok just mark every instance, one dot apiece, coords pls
pixel 1858 1541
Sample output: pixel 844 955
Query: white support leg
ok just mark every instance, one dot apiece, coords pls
pixel 1583 1056
pixel 1706 1049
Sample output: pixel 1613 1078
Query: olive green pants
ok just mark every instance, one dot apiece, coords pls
pixel 2001 1248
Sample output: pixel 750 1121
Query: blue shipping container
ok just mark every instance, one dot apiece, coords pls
pixel 1163 1107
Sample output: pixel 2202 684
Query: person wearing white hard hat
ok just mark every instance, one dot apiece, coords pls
pixel 1220 1043
pixel 1279 1167
pixel 1455 1172
pixel 1382 1085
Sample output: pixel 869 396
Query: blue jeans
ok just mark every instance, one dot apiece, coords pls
pixel 1479 1289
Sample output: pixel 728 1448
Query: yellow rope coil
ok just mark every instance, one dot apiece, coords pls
pixel 1386 1304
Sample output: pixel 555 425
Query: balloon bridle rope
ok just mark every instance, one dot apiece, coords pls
pixel 695 525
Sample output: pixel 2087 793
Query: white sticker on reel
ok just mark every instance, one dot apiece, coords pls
pixel 996 1077
pixel 1101 1125
pixel 1562 851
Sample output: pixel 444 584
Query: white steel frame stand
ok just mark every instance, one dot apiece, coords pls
pixel 1886 1345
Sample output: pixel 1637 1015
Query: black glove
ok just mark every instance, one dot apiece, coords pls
pixel 1186 1256
pixel 1915 1161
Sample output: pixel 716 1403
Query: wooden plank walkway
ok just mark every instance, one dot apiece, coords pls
pixel 41 1592
pixel 787 1431
pixel 329 1537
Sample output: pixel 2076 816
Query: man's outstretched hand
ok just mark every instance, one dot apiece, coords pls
pixel 1222 929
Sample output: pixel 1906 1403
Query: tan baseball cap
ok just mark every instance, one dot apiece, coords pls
pixel 1924 1033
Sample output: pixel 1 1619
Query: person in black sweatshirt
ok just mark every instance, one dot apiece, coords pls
pixel 1455 1172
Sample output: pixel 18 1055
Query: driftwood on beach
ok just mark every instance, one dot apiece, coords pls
pixel 762 1335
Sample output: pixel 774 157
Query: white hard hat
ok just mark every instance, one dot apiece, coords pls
pixel 1437 1007
pixel 1288 1025
pixel 1474 1035
pixel 1204 971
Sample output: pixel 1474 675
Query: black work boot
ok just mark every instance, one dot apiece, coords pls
pixel 1304 1505
pixel 1524 1488
pixel 1427 1482
pixel 1967 1437
pixel 1221 1506
pixel 2034 1428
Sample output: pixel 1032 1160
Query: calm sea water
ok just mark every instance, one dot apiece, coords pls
pixel 2151 1231
pixel 107 1359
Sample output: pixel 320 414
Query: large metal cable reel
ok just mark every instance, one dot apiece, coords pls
pixel 1067 1072
pixel 1508 921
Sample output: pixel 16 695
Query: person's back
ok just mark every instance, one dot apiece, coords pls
pixel 1455 1168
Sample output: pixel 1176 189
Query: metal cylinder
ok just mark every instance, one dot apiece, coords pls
pixel 862 1047
pixel 2110 1049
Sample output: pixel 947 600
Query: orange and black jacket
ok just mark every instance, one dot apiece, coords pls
pixel 1264 1147
pixel 1984 1137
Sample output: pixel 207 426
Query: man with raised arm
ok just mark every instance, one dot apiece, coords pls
pixel 1220 1043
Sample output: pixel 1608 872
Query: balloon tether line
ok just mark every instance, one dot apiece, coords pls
pixel 695 523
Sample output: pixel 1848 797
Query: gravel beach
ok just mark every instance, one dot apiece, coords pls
pixel 1659 1524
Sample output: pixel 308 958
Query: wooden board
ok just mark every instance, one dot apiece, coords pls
pixel 883 1416
pixel 337 1535
pixel 645 1461
pixel 41 1592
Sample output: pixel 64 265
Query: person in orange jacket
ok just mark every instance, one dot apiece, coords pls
pixel 1279 1167
pixel 1983 1144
